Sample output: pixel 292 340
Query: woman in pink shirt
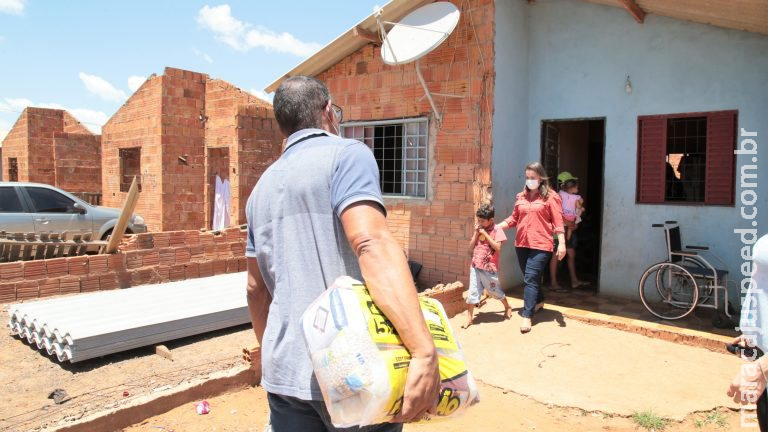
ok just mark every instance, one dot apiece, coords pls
pixel 537 213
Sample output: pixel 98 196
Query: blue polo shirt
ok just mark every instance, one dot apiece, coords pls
pixel 295 234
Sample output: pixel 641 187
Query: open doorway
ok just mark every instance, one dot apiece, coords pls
pixel 578 146
pixel 218 166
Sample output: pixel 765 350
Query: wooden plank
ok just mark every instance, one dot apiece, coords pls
pixel 86 239
pixel 72 250
pixel 119 231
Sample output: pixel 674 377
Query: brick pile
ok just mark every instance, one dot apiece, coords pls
pixel 435 232
pixel 142 259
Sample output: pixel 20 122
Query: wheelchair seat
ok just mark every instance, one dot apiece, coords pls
pixel 704 272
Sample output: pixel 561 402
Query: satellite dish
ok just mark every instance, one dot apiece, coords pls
pixel 418 34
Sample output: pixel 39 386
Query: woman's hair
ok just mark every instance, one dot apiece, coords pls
pixel 544 188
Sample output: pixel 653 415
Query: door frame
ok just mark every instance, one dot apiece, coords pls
pixel 604 119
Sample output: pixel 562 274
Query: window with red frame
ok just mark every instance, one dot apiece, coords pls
pixel 686 158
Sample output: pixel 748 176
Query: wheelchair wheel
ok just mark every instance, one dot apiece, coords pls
pixel 668 291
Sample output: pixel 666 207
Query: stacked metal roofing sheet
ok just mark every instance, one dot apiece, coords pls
pixel 91 325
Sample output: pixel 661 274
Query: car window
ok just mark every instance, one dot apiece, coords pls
pixel 9 201
pixel 49 201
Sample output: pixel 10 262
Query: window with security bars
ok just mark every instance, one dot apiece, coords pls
pixel 400 149
pixel 687 158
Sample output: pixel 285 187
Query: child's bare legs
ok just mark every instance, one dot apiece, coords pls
pixel 507 308
pixel 575 282
pixel 553 273
pixel 470 315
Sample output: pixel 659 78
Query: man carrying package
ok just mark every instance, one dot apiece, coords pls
pixel 316 214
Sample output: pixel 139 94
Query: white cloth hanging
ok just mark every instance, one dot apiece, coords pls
pixel 221 205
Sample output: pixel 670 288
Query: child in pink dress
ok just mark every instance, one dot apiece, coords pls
pixel 573 204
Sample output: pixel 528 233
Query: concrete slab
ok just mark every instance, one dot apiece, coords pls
pixel 568 363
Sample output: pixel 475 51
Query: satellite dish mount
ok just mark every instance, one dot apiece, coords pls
pixel 415 36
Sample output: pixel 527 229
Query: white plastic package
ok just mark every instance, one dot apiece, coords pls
pixel 361 364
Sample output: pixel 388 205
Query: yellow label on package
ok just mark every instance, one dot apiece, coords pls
pixel 383 332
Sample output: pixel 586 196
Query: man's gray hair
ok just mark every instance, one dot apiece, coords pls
pixel 299 104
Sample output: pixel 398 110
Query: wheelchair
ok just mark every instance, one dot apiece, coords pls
pixel 672 289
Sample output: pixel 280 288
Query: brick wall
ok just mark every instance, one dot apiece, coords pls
pixel 77 161
pixel 15 146
pixel 182 114
pixel 435 231
pixel 32 142
pixel 183 135
pixel 259 144
pixel 245 124
pixel 142 259
pixel 138 123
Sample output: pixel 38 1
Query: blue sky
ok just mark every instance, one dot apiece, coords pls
pixel 88 57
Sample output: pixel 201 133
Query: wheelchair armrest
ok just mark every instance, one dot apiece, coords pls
pixel 684 253
pixel 704 248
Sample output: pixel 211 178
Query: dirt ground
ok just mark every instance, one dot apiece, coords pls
pixel 533 393
pixel 498 411
pixel 27 376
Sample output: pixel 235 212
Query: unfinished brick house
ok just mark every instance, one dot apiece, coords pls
pixel 176 134
pixel 431 188
pixel 50 146
pixel 613 91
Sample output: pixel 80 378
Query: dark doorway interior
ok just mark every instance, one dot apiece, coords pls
pixel 578 146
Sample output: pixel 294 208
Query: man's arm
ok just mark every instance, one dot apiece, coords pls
pixel 389 281
pixel 259 299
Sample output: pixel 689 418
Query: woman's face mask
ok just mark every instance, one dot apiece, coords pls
pixel 532 184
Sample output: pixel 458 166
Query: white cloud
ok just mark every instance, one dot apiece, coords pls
pixel 102 88
pixel 14 7
pixel 135 81
pixel 91 119
pixel 203 55
pixel 243 36
pixel 5 127
pixel 262 95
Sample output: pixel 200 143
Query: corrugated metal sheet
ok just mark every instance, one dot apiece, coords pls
pixel 92 325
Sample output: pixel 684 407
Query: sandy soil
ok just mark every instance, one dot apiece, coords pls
pixel 27 376
pixel 498 411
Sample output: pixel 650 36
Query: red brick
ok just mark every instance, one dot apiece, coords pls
pixel 167 256
pixel 34 270
pixel 98 264
pixel 219 266
pixel 78 265
pixel 69 285
pixel 11 272
pixel 133 259
pixel 206 268
pixel 177 272
pixel 117 262
pixel 108 281
pixel 56 267
pixel 89 283
pixel 150 258
pixel 192 270
pixel 27 290
pixel 7 292
pixel 49 287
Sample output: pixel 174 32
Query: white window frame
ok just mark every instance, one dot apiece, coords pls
pixel 422 162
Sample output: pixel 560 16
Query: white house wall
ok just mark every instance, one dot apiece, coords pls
pixel 578 57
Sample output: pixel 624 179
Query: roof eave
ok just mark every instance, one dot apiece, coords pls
pixel 347 42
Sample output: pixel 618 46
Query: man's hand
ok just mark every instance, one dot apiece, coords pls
pixel 422 388
pixel 748 385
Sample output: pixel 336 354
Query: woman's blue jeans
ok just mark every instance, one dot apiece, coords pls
pixel 532 264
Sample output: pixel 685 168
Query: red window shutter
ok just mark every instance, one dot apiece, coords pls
pixel 720 175
pixel 651 152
